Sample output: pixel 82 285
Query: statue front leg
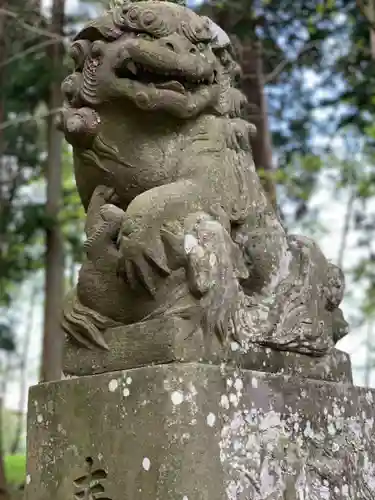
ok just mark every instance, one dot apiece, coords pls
pixel 153 223
pixel 79 320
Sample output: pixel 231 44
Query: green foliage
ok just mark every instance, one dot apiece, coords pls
pixel 295 37
pixel 23 254
pixel 23 220
pixel 10 422
pixel 72 215
pixel 25 86
pixel 356 68
pixel 15 469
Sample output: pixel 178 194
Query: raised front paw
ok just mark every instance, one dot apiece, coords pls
pixel 142 256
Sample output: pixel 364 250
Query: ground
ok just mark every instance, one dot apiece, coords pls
pixel 15 467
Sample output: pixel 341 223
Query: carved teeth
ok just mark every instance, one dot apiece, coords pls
pixel 173 85
pixel 132 67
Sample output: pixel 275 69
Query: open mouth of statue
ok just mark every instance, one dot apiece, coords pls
pixel 168 81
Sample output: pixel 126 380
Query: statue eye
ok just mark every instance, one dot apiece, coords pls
pixel 148 18
pixel 97 48
pixel 133 14
pixel 201 46
pixel 145 36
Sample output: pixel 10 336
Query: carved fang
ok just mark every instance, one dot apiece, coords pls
pixel 132 67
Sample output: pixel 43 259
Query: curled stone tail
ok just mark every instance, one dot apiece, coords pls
pixel 85 325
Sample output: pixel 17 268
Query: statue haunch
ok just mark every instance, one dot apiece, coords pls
pixel 177 221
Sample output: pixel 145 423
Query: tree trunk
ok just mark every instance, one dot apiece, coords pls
pixel 4 495
pixel 253 88
pixel 54 261
pixel 36 6
pixel 252 85
pixel 368 10
pixel 3 5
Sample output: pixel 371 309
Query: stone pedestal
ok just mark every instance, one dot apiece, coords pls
pixel 169 340
pixel 200 432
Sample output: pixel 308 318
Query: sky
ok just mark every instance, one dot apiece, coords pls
pixel 70 4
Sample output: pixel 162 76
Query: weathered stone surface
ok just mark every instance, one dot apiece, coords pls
pixel 190 281
pixel 178 224
pixel 200 432
pixel 168 340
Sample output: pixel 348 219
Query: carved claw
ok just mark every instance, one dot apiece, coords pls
pixel 142 259
pixel 133 266
pixel 102 234
pixel 174 246
pixel 238 133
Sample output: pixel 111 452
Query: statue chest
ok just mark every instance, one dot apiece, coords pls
pixel 147 162
pixel 130 162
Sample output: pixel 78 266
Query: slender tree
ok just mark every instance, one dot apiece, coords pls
pixel 3 6
pixel 367 8
pixel 4 495
pixel 54 268
pixel 228 14
pixel 253 84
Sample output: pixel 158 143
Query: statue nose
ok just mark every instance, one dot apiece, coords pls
pixel 171 46
pixel 179 48
pixel 97 49
pixel 176 43
pixel 193 50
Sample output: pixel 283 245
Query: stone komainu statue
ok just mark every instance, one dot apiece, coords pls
pixel 177 221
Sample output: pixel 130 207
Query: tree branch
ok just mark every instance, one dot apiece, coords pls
pixel 30 27
pixel 29 118
pixel 345 232
pixel 30 50
pixel 367 9
pixel 283 64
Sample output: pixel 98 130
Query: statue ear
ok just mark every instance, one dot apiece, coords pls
pixel 220 39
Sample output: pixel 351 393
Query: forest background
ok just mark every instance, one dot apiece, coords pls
pixel 309 75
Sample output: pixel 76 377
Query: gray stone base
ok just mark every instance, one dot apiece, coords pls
pixel 199 432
